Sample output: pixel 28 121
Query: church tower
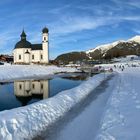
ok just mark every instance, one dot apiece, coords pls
pixel 45 45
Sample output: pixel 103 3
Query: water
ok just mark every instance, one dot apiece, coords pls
pixel 24 92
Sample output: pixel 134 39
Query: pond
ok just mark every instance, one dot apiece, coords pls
pixel 23 92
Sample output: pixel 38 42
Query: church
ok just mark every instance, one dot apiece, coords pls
pixel 27 53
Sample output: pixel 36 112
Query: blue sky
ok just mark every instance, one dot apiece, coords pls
pixel 74 25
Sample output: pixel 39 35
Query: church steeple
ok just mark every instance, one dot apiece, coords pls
pixel 23 35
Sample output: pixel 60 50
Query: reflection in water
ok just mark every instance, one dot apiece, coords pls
pixel 76 77
pixel 26 90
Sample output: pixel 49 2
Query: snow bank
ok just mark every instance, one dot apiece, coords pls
pixel 27 122
pixel 13 72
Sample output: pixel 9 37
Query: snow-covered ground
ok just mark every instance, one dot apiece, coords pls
pixel 128 58
pixel 27 122
pixel 12 72
pixel 121 118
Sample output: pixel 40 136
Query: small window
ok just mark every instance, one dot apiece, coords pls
pixel 41 56
pixel 19 56
pixel 20 87
pixel 44 38
pixel 32 56
pixel 41 86
pixel 33 86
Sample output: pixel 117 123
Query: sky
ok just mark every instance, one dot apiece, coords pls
pixel 74 25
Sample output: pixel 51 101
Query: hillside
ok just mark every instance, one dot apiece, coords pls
pixel 72 56
pixel 106 51
pixel 116 49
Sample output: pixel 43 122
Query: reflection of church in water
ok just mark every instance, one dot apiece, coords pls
pixel 25 91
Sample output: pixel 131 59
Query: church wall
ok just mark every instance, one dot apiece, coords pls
pixel 27 58
pixel 35 56
pixel 20 56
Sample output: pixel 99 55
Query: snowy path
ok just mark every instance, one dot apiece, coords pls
pixel 82 122
pixel 121 120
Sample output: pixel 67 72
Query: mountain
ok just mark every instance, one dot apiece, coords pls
pixel 72 57
pixel 106 51
pixel 135 39
pixel 116 49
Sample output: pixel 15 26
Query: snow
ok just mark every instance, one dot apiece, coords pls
pixel 119 119
pixel 128 58
pixel 12 72
pixel 135 38
pixel 27 122
pixel 104 48
pixel 121 116
pixel 82 123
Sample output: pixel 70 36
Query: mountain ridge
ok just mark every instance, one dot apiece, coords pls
pixel 110 45
pixel 106 51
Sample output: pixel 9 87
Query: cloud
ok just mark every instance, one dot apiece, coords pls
pixel 127 3
pixel 77 24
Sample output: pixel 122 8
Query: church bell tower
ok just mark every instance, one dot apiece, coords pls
pixel 45 45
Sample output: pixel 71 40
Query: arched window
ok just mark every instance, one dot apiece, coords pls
pixel 41 86
pixel 44 38
pixel 19 57
pixel 20 86
pixel 41 56
pixel 32 56
pixel 33 86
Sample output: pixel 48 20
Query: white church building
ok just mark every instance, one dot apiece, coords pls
pixel 27 53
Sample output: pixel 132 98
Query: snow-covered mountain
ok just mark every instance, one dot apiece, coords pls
pixel 117 48
pixel 105 47
pixel 135 38
pixel 106 51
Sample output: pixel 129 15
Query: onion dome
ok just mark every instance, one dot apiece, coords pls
pixel 23 43
pixel 45 30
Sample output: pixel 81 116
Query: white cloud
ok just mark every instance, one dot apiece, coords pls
pixel 127 3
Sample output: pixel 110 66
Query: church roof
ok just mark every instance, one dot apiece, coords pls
pixel 36 47
pixel 23 44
